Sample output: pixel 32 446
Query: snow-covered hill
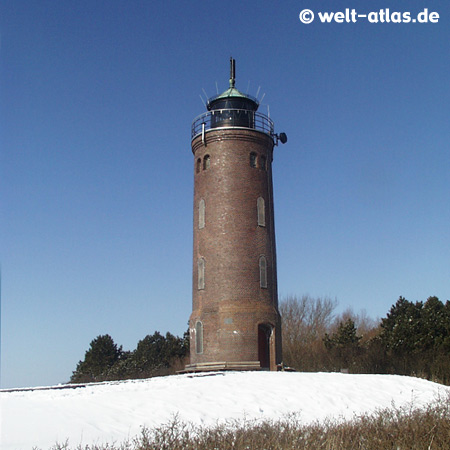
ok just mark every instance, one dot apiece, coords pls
pixel 113 412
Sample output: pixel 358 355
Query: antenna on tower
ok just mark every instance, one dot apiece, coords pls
pixel 232 72
pixel 217 88
pixel 257 92
pixel 262 97
pixel 203 101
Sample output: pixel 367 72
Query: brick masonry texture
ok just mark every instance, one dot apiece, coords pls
pixel 232 303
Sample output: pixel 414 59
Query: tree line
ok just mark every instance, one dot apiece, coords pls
pixel 155 355
pixel 413 338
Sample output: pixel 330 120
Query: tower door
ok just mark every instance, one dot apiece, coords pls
pixel 264 333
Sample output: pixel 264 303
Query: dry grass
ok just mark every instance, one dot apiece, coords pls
pixel 391 429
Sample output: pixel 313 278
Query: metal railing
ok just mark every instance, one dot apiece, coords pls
pixel 231 118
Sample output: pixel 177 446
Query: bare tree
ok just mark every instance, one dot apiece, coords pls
pixel 305 322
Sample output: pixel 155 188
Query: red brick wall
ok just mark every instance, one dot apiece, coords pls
pixel 232 304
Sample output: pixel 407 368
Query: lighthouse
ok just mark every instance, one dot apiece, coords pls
pixel 235 323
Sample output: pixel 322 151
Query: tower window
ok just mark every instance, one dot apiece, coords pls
pixel 201 273
pixel 198 337
pixel 263 272
pixel 201 214
pixel 261 212
pixel 206 162
pixel 253 160
pixel 262 164
pixel 198 165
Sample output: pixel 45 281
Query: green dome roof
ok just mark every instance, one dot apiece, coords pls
pixel 232 98
pixel 231 92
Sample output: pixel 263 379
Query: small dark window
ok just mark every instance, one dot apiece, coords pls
pixel 253 160
pixel 201 273
pixel 206 162
pixel 198 165
pixel 263 272
pixel 201 214
pixel 262 164
pixel 198 337
pixel 261 212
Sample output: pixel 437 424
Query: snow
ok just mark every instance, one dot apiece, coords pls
pixel 116 411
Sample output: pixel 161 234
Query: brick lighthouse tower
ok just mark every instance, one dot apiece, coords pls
pixel 235 323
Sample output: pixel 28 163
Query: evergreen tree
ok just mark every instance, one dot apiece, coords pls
pixel 103 353
pixel 434 328
pixel 149 353
pixel 155 352
pixel 345 336
pixel 343 345
pixel 417 338
pixel 401 327
pixel 155 355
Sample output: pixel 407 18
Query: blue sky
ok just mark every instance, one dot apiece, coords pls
pixel 96 170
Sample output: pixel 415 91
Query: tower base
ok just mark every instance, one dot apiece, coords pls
pixel 219 366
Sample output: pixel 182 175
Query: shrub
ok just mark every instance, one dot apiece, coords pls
pixel 405 428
